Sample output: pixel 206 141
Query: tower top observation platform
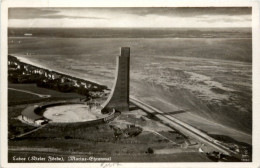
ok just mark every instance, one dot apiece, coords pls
pixel 125 52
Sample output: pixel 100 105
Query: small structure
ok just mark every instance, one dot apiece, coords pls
pixel 54 76
pixel 41 71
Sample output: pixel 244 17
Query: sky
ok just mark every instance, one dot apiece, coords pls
pixel 164 17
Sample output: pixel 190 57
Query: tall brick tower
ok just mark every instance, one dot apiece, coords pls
pixel 119 96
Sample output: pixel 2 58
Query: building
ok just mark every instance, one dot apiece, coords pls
pixel 83 84
pixel 54 76
pixel 119 96
pixel 36 71
pixel 41 71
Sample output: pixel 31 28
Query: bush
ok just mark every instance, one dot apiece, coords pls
pixel 83 91
pixel 68 137
pixel 150 150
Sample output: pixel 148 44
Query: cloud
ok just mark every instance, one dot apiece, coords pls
pixel 30 13
pixel 230 20
pixel 131 17
pixel 181 11
pixel 70 17
pixel 34 13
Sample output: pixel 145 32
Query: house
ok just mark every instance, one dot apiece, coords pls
pixel 83 84
pixel 46 74
pixel 62 80
pixel 89 85
pixel 41 71
pixel 50 76
pixel 54 76
pixel 35 71
pixel 77 84
pixel 26 67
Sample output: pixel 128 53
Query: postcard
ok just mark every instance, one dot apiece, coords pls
pixel 130 84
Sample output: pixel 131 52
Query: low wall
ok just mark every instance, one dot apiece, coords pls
pixel 40 110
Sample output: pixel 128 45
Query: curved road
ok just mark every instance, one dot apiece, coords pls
pixel 184 128
pixel 26 133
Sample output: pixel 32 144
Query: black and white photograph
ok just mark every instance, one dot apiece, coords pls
pixel 114 85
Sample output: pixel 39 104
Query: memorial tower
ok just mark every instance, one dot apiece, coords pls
pixel 119 96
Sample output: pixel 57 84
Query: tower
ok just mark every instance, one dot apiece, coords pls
pixel 119 96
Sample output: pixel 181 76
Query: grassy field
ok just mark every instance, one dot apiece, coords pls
pixel 33 88
pixel 19 97
pixel 17 101
pixel 15 126
pixel 16 96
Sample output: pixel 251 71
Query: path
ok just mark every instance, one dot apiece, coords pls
pixel 25 91
pixel 26 133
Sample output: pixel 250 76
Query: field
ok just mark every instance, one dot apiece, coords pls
pixel 20 96
pixel 16 96
pixel 17 101
pixel 33 88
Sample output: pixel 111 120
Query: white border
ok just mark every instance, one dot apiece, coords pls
pixel 134 3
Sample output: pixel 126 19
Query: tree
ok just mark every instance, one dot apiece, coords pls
pixel 150 150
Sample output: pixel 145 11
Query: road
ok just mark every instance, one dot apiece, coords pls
pixel 25 91
pixel 26 133
pixel 184 128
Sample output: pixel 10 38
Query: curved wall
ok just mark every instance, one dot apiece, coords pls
pixel 38 110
